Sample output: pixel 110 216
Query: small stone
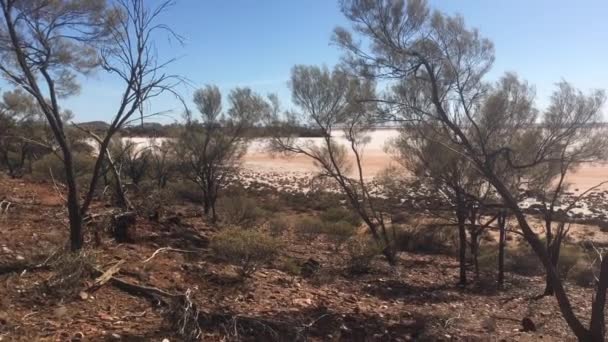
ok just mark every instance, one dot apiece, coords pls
pixel 60 311
pixel 83 295
pixel 20 257
pixel 115 336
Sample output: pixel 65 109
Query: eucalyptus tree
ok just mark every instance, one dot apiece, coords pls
pixel 332 103
pixel 210 149
pixel 19 127
pixel 438 67
pixel 547 182
pixel 46 45
pixel 453 180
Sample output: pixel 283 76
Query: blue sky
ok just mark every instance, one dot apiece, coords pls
pixel 256 42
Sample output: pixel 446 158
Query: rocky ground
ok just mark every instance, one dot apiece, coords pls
pixel 417 300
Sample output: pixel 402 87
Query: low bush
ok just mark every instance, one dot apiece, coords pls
pixel 522 260
pixel 582 275
pixel 569 256
pixel 338 214
pixel 338 232
pixel 290 266
pixel 51 165
pixel 245 248
pixel 400 218
pixel 70 271
pixel 185 191
pixel 277 226
pixel 239 211
pixel 309 227
pixel 488 257
pixel 361 253
pixel 432 239
pixel 153 202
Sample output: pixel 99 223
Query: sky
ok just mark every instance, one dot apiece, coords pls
pixel 255 43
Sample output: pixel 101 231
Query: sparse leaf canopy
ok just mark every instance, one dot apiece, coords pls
pixel 58 37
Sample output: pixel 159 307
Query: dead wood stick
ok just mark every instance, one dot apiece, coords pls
pixel 106 276
pixel 139 290
pixel 24 266
pixel 170 249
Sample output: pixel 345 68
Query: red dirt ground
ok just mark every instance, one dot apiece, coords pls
pixel 418 300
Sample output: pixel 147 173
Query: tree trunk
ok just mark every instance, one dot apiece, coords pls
pixel 579 330
pixel 74 214
pixel 103 146
pixel 213 213
pixel 502 241
pixel 474 234
pixel 598 326
pixel 121 227
pixel 122 200
pixel 462 241
pixel 390 256
pixel 475 253
pixel 550 249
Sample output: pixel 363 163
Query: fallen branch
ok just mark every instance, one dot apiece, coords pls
pixel 25 266
pixel 4 206
pixel 148 292
pixel 169 249
pixel 106 276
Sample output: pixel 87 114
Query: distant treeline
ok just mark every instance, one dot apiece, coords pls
pixel 159 130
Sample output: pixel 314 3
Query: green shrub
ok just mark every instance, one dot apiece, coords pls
pixel 272 205
pixel 50 164
pixel 277 226
pixel 290 266
pixel 488 257
pixel 185 191
pixel 337 214
pixel 361 253
pixel 153 202
pixel 338 232
pixel 245 248
pixel 428 239
pixel 523 261
pixel 582 275
pixel 309 227
pixel 569 256
pixel 239 211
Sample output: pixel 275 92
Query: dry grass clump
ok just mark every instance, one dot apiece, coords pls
pixel 582 274
pixel 361 252
pixel 309 228
pixel 277 226
pixel 69 273
pixel 338 214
